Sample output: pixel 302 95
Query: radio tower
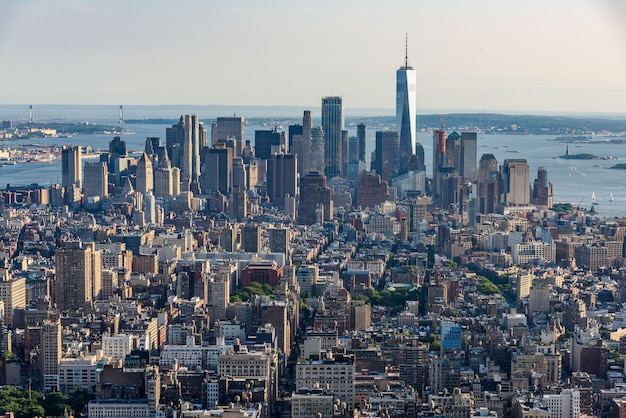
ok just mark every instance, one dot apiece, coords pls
pixel 31 112
pixel 121 114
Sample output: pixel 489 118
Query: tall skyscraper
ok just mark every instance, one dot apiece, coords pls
pixel 453 153
pixel 361 140
pixel 251 238
pixel 72 173
pixel 353 149
pixel 117 146
pixel 439 159
pixel 230 128
pixel 174 138
pixel 419 153
pixel 96 179
pixel 264 141
pixel 193 138
pixel 152 145
pixel 305 158
pixel 315 198
pixel 238 203
pixel 145 174
pixel 78 276
pixel 516 179
pixel 406 108
pixel 218 169
pixel 542 190
pixel 386 154
pixel 282 178
pixel 240 174
pixel 183 142
pixel 488 168
pixel 316 155
pixel 469 146
pixel 12 294
pixel 51 352
pixel 344 151
pixel 71 166
pixel 488 184
pixel 332 123
pixel 163 177
pixel 219 296
pixel 294 130
pixel 279 241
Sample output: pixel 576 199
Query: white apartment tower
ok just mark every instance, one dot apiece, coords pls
pixel 50 354
pixel 12 293
pixel 564 405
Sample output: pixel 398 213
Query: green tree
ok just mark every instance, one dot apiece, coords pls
pixel 10 356
pixel 395 299
pixel 563 338
pixel 22 402
pixel 55 404
pixel 452 265
pixel 78 399
pixel 487 287
pixel 246 293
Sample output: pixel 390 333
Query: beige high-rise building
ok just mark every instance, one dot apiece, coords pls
pixel 163 178
pixel 335 372
pixel 145 174
pixel 219 296
pixel 109 283
pixel 525 368
pixel 12 293
pixel 309 403
pixel 184 142
pixel 78 278
pixel 50 354
pixel 516 176
pixel 524 283
pixel 360 315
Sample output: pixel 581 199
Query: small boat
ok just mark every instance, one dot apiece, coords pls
pixel 611 198
pixel 593 196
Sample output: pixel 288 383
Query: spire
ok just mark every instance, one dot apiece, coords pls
pixel 406 52
pixel 406 49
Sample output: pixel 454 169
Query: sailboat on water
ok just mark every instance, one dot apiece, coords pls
pixel 611 198
pixel 593 196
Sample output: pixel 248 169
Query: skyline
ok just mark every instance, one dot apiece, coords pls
pixel 484 57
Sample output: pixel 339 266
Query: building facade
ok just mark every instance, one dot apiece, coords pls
pixel 332 123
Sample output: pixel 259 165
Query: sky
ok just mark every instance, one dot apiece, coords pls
pixel 471 56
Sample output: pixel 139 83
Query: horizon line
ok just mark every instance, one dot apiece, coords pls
pixel 351 110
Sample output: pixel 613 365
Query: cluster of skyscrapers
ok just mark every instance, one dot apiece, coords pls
pixel 229 174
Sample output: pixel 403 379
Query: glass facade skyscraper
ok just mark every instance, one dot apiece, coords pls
pixel 332 123
pixel 406 107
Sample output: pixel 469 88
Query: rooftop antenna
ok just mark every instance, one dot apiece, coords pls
pixel 406 49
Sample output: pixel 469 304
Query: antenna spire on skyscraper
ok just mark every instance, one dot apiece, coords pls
pixel 406 49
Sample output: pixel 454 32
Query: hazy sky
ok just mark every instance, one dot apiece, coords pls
pixel 478 55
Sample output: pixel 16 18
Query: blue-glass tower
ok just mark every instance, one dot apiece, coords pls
pixel 406 103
